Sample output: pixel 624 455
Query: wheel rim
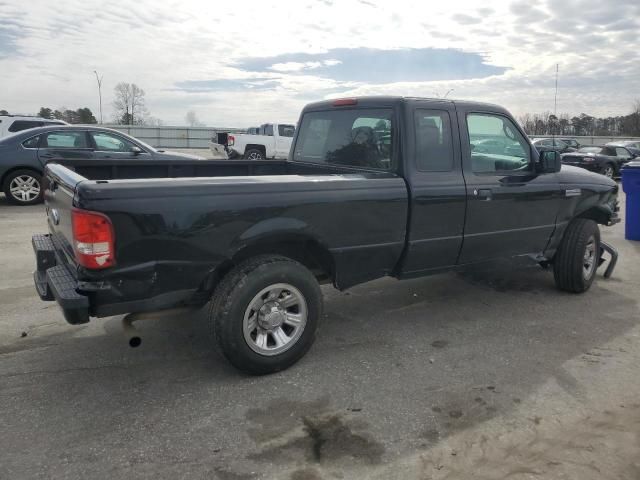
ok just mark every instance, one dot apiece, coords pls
pixel 589 261
pixel 255 156
pixel 275 319
pixel 24 188
pixel 608 172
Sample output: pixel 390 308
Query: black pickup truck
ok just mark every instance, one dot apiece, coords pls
pixel 373 186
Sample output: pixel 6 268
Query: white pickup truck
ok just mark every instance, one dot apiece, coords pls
pixel 271 140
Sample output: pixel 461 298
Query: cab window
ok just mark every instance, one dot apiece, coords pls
pixel 434 144
pixel 512 156
pixel 356 138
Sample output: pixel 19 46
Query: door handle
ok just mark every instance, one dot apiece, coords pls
pixel 484 194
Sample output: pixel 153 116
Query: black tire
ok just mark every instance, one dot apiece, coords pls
pixel 14 198
pixel 254 154
pixel 231 301
pixel 569 266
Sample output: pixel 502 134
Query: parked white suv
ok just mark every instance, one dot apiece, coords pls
pixel 10 124
pixel 272 140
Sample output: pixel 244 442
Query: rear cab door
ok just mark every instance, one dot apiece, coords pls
pixel 511 209
pixel 433 171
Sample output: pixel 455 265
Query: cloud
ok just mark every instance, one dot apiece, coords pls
pixel 465 19
pixel 378 65
pixel 225 84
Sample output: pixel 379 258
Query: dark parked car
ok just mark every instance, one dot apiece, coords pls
pixel 572 142
pixel 373 186
pixel 632 145
pixel 604 160
pixel 552 144
pixel 90 150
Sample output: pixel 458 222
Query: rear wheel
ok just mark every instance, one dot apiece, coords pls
pixel 23 187
pixel 265 314
pixel 577 259
pixel 253 154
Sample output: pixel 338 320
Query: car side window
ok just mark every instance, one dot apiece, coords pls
pixel 20 125
pixel 106 142
pixel 434 144
pixel 513 157
pixel 622 152
pixel 286 130
pixel 64 140
pixel 31 142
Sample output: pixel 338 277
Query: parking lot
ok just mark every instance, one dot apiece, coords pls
pixel 483 374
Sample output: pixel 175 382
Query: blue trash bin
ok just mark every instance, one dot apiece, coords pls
pixel 631 187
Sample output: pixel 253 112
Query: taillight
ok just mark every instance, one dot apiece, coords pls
pixel 93 239
pixel 231 139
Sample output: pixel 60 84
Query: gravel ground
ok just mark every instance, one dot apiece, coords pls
pixel 478 375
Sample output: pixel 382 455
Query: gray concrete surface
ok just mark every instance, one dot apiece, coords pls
pixel 479 375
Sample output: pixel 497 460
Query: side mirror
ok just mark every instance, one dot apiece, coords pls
pixel 136 150
pixel 549 162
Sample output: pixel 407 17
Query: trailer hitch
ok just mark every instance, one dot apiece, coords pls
pixel 605 247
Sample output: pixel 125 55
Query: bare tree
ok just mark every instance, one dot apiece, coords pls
pixel 192 119
pixel 129 104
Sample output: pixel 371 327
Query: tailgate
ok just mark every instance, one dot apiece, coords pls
pixel 60 186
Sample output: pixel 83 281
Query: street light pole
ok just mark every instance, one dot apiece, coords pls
pixel 99 79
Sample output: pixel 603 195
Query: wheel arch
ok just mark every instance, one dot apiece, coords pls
pixel 255 146
pixel 4 176
pixel 302 248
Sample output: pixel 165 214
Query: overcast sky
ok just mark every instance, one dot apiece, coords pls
pixel 239 63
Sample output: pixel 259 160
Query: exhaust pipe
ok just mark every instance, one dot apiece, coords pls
pixel 132 334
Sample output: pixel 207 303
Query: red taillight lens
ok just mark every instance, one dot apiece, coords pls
pixel 231 139
pixel 93 239
pixel 345 101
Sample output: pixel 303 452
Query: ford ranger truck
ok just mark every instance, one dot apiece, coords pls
pixel 373 187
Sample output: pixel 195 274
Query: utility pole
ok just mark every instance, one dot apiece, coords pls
pixel 99 79
pixel 555 100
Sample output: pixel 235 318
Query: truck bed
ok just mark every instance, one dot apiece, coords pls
pixel 173 234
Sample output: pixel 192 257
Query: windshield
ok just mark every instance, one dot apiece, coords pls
pixel 590 150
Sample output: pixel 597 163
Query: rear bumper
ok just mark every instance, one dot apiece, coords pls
pixel 54 281
pixel 79 300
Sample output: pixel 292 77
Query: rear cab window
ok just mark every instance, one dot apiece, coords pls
pixel 351 137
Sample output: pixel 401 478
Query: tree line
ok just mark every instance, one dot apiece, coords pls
pixel 547 123
pixel 129 109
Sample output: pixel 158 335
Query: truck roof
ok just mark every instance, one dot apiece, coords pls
pixel 391 99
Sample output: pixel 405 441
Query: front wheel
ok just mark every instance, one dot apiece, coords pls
pixel 23 187
pixel 608 171
pixel 265 314
pixel 577 259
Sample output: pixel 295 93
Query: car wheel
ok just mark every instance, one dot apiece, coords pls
pixel 265 314
pixel 253 154
pixel 23 187
pixel 608 171
pixel 577 259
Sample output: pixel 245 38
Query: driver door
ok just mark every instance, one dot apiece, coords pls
pixel 511 209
